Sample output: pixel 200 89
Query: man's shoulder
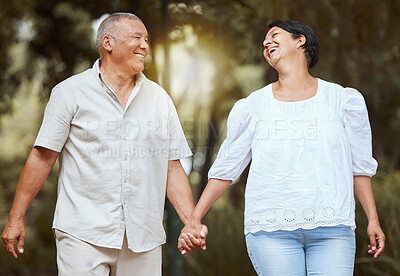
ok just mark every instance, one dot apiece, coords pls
pixel 153 85
pixel 82 78
pixel 155 89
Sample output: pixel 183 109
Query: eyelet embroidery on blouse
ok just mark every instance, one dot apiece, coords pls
pixel 308 214
pixel 290 218
pixel 290 227
pixel 289 215
pixel 255 218
pixel 328 212
pixel 271 216
pixel 345 211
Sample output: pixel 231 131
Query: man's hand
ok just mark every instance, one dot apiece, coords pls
pixel 193 236
pixel 377 239
pixel 14 232
pixel 37 168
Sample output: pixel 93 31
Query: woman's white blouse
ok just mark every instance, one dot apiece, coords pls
pixel 304 155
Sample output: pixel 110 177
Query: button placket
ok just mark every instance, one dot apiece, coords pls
pixel 124 157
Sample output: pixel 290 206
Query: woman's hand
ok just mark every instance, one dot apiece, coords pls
pixel 193 235
pixel 376 238
pixel 364 192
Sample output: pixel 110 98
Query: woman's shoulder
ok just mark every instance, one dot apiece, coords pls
pixel 331 87
pixel 347 96
pixel 332 93
pixel 335 88
pixel 249 105
pixel 259 98
pixel 259 93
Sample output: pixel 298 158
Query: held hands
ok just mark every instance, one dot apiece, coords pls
pixel 14 232
pixel 376 238
pixel 193 236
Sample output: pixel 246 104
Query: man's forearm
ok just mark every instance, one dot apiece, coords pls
pixel 179 192
pixel 37 168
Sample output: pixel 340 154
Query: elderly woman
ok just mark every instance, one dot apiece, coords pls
pixel 310 145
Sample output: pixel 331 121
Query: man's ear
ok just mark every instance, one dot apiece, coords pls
pixel 108 43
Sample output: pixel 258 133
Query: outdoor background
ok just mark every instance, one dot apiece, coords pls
pixel 207 54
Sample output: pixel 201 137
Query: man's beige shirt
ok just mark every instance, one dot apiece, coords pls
pixel 113 161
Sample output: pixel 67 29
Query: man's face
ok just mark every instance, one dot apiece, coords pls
pixel 131 45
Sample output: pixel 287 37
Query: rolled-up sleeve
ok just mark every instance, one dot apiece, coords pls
pixel 56 123
pixel 358 131
pixel 235 152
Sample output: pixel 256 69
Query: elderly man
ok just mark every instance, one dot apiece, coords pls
pixel 119 141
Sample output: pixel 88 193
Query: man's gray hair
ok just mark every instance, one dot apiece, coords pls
pixel 108 26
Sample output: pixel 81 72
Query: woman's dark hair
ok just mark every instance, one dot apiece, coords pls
pixel 311 47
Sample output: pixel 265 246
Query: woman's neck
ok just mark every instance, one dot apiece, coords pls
pixel 295 84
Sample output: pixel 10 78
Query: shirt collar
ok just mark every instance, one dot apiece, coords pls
pixel 140 77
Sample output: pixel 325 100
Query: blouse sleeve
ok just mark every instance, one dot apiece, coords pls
pixel 235 152
pixel 358 132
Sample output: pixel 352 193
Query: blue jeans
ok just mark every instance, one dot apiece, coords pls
pixel 320 251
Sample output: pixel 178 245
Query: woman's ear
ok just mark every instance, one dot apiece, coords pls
pixel 301 41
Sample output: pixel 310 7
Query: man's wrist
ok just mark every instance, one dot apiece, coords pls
pixel 195 219
pixel 15 217
pixel 185 221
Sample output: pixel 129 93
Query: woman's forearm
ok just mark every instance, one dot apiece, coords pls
pixel 214 189
pixel 364 192
pixel 193 228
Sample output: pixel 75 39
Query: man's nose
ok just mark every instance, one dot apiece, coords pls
pixel 144 44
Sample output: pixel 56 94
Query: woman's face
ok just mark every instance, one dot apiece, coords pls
pixel 279 45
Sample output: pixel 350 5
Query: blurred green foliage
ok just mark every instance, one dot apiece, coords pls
pixel 44 42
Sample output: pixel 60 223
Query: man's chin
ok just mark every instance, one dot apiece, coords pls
pixel 137 69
